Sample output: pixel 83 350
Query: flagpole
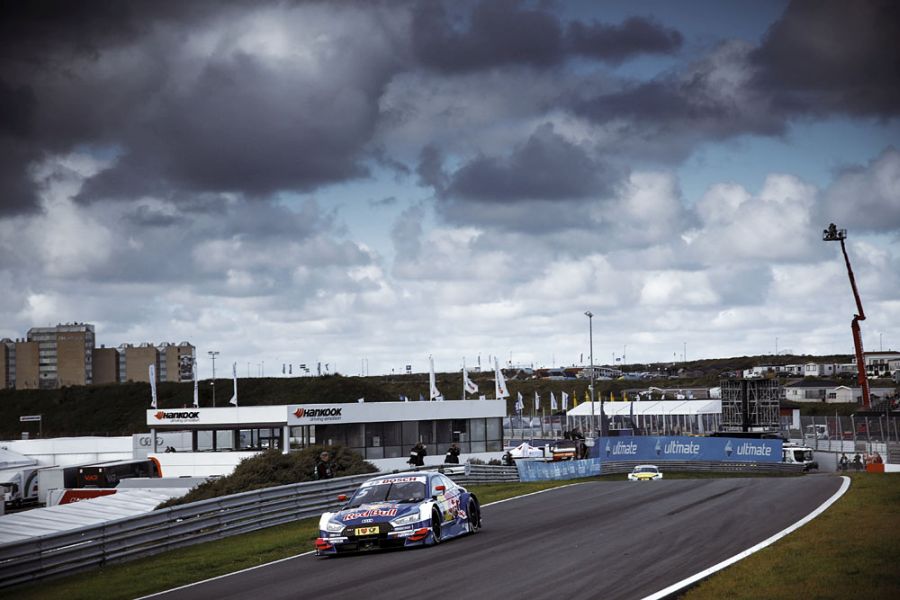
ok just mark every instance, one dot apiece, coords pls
pixel 464 378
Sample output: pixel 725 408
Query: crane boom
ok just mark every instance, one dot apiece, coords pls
pixel 833 234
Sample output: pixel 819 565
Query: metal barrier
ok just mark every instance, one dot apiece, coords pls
pixel 181 526
pixel 197 522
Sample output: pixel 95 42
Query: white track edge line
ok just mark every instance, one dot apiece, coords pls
pixel 275 562
pixel 845 485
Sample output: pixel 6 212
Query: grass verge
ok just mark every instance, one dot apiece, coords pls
pixel 849 551
pixel 180 567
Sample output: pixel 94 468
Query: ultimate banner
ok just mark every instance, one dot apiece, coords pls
pixel 538 470
pixel 652 448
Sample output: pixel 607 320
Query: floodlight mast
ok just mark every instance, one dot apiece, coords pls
pixel 833 234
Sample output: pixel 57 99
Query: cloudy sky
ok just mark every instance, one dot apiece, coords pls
pixel 367 183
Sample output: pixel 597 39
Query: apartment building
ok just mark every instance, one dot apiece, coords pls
pixel 106 365
pixel 7 363
pixel 51 357
pixel 176 362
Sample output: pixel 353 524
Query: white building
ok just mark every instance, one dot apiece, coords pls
pixel 382 432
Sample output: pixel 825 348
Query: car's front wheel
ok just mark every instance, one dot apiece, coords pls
pixel 436 526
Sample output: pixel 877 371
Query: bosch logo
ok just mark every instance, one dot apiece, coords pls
pixel 317 412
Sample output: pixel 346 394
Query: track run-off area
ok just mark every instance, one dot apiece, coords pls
pixel 604 539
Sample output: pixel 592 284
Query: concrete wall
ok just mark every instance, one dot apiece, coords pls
pixel 71 359
pixel 106 365
pixel 138 361
pixel 27 366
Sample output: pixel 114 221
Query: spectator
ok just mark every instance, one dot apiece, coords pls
pixel 508 460
pixel 842 463
pixel 324 468
pixel 417 455
pixel 452 456
pixel 876 459
pixel 857 462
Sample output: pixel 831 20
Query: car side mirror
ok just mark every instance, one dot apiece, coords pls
pixel 342 498
pixel 440 488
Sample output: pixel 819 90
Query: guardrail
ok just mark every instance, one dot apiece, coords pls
pixel 181 526
pixel 178 527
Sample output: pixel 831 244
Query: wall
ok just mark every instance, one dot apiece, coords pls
pixel 71 366
pixel 106 365
pixel 27 367
pixel 138 361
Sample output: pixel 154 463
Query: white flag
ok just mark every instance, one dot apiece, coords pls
pixel 519 404
pixel 434 393
pixel 234 399
pixel 553 405
pixel 152 386
pixel 565 401
pixel 196 391
pixel 537 401
pixel 500 390
pixel 470 386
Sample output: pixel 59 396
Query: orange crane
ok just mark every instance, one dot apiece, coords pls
pixel 833 234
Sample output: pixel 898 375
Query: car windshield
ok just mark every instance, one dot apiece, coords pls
pixel 645 469
pixel 389 491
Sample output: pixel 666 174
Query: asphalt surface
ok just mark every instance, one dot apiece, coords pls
pixel 606 539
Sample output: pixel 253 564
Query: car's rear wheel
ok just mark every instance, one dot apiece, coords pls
pixel 474 513
pixel 436 526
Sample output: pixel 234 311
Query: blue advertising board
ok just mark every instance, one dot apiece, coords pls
pixel 653 448
pixel 538 470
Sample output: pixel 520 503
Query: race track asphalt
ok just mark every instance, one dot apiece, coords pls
pixel 604 539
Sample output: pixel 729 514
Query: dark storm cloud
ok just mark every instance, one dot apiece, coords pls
pixel 185 102
pixel 834 56
pixel 666 117
pixel 545 167
pixel 431 169
pixel 508 32
pixel 616 43
pixel 499 33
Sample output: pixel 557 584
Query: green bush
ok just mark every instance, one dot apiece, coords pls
pixel 272 468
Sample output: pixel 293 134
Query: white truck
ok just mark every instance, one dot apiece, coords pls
pixel 19 486
pixel 796 454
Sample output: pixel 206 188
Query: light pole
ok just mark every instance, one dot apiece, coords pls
pixel 213 354
pixel 590 317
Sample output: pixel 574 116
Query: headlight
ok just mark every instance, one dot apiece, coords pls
pixel 334 527
pixel 407 520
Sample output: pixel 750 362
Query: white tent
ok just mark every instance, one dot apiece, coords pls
pixel 650 407
pixel 659 417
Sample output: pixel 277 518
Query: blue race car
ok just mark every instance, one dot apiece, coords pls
pixel 398 511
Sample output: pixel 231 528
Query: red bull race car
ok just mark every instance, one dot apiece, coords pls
pixel 399 511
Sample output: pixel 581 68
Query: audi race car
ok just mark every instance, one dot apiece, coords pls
pixel 645 473
pixel 398 511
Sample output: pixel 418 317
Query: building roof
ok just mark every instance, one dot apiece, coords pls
pixel 647 408
pixel 64 517
pixel 813 383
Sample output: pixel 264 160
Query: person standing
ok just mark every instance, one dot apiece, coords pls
pixel 842 463
pixel 452 456
pixel 324 467
pixel 417 455
pixel 857 462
